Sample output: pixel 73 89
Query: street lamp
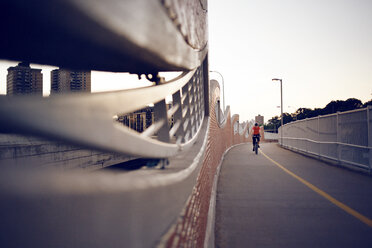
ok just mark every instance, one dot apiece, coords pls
pixel 281 107
pixel 223 89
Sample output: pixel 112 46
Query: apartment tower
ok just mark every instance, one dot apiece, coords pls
pixel 63 81
pixel 24 80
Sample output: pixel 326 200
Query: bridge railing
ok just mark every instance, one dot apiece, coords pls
pixel 344 137
pixel 87 119
pixel 271 136
pixel 106 35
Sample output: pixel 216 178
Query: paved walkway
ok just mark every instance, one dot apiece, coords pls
pixel 261 204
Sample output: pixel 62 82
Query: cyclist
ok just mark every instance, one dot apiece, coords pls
pixel 256 134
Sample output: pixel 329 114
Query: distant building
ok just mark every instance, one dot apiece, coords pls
pixel 259 120
pixel 139 120
pixel 63 81
pixel 23 80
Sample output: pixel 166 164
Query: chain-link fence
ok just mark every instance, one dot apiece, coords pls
pixel 343 137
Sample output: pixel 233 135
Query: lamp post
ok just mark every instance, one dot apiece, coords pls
pixel 281 107
pixel 223 89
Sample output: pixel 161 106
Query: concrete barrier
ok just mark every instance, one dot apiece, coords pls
pixel 33 152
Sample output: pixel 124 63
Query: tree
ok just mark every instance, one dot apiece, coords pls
pixel 341 106
pixel 287 118
pixel 304 113
pixel 369 103
pixel 272 124
pixel 352 103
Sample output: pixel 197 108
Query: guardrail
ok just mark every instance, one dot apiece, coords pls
pixel 271 136
pixel 87 119
pixel 107 36
pixel 345 137
pixel 129 36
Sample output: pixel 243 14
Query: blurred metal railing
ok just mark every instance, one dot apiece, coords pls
pixel 87 119
pixel 344 137
pixel 129 36
pixel 142 37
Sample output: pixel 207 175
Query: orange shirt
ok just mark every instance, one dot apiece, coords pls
pixel 256 130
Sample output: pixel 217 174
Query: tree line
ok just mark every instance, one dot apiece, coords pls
pixel 303 113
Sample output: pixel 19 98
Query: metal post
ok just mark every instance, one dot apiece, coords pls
pixel 197 115
pixel 200 99
pixel 369 133
pixel 338 136
pixel 307 141
pixel 192 106
pixel 187 115
pixel 281 110
pixel 178 114
pixel 205 85
pixel 319 137
pixel 160 114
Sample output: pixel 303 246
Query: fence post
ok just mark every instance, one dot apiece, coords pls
pixel 178 114
pixel 187 115
pixel 319 136
pixel 193 106
pixel 369 135
pixel 160 113
pixel 307 137
pixel 197 100
pixel 338 136
pixel 205 85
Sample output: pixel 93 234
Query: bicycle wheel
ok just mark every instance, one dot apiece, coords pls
pixel 256 148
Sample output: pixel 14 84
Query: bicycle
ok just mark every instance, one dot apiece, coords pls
pixel 255 144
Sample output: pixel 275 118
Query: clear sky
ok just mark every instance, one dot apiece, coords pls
pixel 322 49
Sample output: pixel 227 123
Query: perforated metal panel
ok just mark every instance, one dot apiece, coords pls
pixel 343 137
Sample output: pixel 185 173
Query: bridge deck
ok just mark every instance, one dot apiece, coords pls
pixel 261 205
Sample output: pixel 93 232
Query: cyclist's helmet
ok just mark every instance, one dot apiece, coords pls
pixel 256 124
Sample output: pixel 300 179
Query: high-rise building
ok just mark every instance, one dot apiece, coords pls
pixel 259 119
pixel 139 120
pixel 63 81
pixel 22 79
